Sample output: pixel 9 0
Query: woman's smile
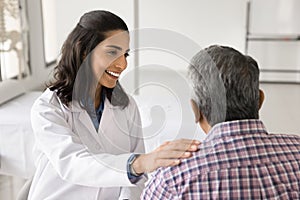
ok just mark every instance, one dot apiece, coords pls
pixel 112 74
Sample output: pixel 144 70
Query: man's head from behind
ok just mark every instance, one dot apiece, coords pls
pixel 225 86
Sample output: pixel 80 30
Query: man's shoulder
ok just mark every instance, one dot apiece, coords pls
pixel 212 157
pixel 188 168
pixel 285 136
pixel 282 139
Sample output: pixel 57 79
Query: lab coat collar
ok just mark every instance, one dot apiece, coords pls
pixel 85 122
pixel 75 106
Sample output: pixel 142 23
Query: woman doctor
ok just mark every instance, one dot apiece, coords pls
pixel 89 142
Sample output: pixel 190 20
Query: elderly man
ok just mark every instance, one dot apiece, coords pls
pixel 238 159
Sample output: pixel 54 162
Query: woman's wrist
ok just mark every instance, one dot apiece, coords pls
pixel 137 165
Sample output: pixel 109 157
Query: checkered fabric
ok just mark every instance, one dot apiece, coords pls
pixel 237 160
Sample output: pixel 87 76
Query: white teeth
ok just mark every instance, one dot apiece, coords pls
pixel 113 73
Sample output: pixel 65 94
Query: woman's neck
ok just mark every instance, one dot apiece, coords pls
pixel 98 96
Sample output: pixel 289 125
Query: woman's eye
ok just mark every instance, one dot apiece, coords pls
pixel 126 55
pixel 112 53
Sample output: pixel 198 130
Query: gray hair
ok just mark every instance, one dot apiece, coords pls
pixel 225 84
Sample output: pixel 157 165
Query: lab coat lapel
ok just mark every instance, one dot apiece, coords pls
pixel 84 127
pixel 86 122
pixel 113 129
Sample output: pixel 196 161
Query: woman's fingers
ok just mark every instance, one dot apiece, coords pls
pixel 166 155
pixel 182 141
pixel 188 141
pixel 173 154
pixel 181 145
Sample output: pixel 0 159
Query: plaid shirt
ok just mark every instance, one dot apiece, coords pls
pixel 237 160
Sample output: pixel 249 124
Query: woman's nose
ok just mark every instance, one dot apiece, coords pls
pixel 121 62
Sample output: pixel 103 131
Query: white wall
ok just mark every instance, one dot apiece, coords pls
pixel 70 11
pixel 280 111
pixel 280 20
pixel 204 21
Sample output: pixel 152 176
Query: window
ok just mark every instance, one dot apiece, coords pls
pixel 14 53
pixel 22 21
pixel 51 49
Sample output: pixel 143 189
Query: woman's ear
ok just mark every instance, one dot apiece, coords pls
pixel 261 98
pixel 84 55
pixel 196 111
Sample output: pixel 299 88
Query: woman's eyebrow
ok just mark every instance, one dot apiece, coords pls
pixel 114 46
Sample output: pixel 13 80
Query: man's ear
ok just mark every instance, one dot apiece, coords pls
pixel 196 111
pixel 199 117
pixel 261 98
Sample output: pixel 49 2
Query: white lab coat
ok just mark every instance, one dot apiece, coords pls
pixel 74 161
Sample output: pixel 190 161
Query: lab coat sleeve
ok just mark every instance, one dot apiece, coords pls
pixel 135 128
pixel 69 157
pixel 137 146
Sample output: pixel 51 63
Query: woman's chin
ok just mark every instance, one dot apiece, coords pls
pixel 111 85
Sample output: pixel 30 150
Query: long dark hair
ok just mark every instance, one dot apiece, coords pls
pixel 75 56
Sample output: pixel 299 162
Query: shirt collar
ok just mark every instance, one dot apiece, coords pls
pixel 238 127
pixel 76 107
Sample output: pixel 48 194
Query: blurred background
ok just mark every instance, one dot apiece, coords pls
pixel 165 34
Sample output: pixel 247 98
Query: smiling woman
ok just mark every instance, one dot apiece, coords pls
pixel 81 86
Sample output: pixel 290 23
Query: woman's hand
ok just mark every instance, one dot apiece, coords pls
pixel 167 154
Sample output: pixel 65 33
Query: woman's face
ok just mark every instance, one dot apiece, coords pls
pixel 109 58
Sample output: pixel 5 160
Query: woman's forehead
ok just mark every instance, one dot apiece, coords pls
pixel 118 38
